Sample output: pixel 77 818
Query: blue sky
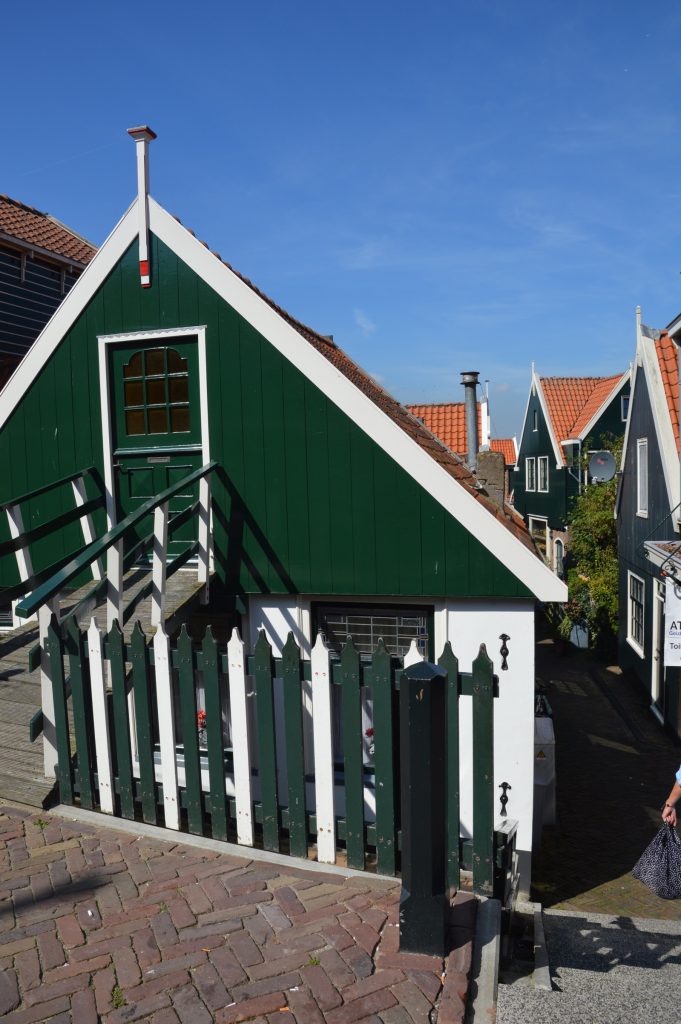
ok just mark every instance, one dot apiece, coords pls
pixel 442 185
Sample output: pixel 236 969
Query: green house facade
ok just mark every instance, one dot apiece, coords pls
pixel 331 506
pixel 566 418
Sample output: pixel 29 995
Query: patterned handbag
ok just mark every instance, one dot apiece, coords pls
pixel 659 866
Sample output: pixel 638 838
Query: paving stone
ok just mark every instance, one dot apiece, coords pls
pixel 249 1009
pixel 189 1007
pixel 304 1007
pixel 319 983
pixel 41 1012
pixel 83 1007
pixel 69 931
pixel 363 1007
pixel 9 991
pixel 210 987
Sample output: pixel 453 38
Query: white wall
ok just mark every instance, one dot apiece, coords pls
pixel 467 624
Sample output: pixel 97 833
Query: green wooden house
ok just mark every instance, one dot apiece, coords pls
pixel 321 503
pixel 565 419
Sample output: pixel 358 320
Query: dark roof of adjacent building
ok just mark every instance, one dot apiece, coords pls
pixel 33 228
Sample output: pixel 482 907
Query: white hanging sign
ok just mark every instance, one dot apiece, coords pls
pixel 672 623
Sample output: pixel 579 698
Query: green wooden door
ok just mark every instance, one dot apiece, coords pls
pixel 155 428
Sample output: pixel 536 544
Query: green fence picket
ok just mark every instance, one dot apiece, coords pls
pixel 190 736
pixel 116 655
pixel 141 688
pixel 450 664
pixel 82 711
pixel 216 760
pixel 267 748
pixel 483 777
pixel 53 646
pixel 295 761
pixel 382 692
pixel 352 754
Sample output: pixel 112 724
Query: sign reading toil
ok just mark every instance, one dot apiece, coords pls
pixel 672 623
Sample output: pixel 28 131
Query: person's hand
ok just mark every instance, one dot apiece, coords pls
pixel 669 815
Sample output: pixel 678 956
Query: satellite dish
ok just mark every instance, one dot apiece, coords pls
pixel 602 467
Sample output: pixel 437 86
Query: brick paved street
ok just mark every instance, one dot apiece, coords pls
pixel 615 767
pixel 99 924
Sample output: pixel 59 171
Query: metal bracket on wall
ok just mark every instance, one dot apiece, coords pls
pixel 503 651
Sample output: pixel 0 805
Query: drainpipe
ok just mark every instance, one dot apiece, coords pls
pixel 469 379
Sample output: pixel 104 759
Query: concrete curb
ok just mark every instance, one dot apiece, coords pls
pixel 484 980
pixel 541 976
pixel 164 835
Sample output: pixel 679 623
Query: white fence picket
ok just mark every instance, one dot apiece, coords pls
pixel 166 728
pixel 100 719
pixel 323 752
pixel 240 739
pixel 158 565
pixel 413 655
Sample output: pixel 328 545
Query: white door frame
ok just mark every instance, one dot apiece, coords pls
pixel 104 341
pixel 657 659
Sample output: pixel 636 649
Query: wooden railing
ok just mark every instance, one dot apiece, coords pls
pixel 214 740
pixel 23 537
pixel 45 598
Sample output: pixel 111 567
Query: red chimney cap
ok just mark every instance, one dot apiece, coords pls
pixel 142 132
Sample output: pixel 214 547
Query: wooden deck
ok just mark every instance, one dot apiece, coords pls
pixel 21 762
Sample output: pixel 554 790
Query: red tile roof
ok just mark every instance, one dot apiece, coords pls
pixel 32 227
pixel 505 445
pixel 667 357
pixel 573 401
pixel 447 420
pixel 451 463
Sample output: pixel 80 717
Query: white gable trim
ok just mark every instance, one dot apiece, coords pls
pixel 599 412
pixel 560 458
pixel 525 565
pixel 663 424
pixel 68 312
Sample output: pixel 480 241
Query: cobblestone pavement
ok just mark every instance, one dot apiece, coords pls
pixel 98 924
pixel 615 767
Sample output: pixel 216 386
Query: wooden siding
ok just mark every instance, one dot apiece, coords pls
pixel 633 531
pixel 306 502
pixel 552 505
pixel 26 306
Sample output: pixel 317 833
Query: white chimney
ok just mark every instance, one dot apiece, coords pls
pixel 143 135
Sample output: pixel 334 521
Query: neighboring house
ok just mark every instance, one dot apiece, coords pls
pixel 447 421
pixel 565 418
pixel 40 259
pixel 648 516
pixel 333 508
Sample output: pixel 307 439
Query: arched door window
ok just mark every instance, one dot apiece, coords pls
pixel 558 554
pixel 156 393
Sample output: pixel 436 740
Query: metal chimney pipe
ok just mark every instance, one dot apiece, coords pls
pixel 469 379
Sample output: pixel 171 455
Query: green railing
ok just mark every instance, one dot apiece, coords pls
pixel 22 537
pixel 193 736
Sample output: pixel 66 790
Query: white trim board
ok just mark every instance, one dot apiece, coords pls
pixel 473 516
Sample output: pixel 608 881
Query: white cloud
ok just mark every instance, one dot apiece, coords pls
pixel 365 324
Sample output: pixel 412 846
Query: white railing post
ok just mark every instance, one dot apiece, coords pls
pixel 80 496
pixel 114 593
pixel 100 719
pixel 323 752
pixel 16 532
pixel 50 757
pixel 159 564
pixel 243 794
pixel 166 728
pixel 204 536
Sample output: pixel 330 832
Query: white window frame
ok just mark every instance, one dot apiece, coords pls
pixel 557 541
pixel 535 420
pixel 543 460
pixel 547 541
pixel 634 643
pixel 530 460
pixel 625 402
pixel 641 477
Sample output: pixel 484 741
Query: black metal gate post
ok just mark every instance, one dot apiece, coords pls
pixel 423 901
